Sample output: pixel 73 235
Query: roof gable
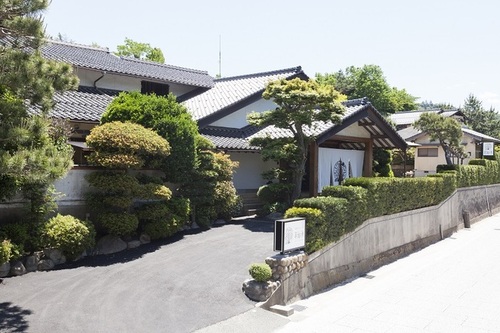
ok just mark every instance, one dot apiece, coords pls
pixel 103 60
pixel 359 110
pixel 232 93
pixel 409 117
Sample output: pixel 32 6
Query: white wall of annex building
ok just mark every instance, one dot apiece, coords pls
pixel 248 175
pixel 238 119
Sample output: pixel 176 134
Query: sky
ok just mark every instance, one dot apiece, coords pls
pixel 438 50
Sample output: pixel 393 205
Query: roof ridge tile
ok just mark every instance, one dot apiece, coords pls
pixel 296 70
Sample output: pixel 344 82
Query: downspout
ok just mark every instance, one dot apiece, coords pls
pixel 99 78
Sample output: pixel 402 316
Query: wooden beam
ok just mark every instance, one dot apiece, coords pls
pixel 313 169
pixel 368 162
pixel 348 138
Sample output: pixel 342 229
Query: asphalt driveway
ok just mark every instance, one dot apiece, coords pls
pixel 181 285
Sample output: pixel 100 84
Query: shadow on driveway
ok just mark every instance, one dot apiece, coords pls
pixel 251 224
pixel 12 318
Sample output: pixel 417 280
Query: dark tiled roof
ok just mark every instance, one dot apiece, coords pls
pixel 103 60
pixel 230 138
pixel 84 104
pixel 229 91
pixel 318 127
pixel 409 117
pixel 479 136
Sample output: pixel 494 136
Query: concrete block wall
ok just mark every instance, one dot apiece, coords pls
pixel 384 239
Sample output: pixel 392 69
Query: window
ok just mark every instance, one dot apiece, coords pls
pixel 427 152
pixel 159 89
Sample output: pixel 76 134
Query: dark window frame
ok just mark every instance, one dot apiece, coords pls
pixel 426 152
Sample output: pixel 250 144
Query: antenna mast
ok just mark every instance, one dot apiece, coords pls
pixel 220 57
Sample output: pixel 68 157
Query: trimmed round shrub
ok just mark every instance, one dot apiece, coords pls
pixel 260 272
pixel 5 251
pixel 162 228
pixel 17 233
pixel 68 234
pixel 274 192
pixel 119 224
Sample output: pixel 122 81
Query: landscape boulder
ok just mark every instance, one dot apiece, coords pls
pixel 110 244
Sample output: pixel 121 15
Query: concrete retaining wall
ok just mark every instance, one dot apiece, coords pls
pixel 384 239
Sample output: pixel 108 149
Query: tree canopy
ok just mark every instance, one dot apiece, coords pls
pixel 33 149
pixel 126 145
pixel 369 81
pixel 138 50
pixel 299 105
pixel 167 118
pixel 444 129
pixel 479 119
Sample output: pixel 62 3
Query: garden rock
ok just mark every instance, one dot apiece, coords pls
pixel 4 269
pixel 110 244
pixel 55 255
pixel 145 239
pixel 133 244
pixel 31 263
pixel 45 265
pixel 259 291
pixel 17 269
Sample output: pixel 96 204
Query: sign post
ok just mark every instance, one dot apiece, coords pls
pixel 289 234
pixel 488 149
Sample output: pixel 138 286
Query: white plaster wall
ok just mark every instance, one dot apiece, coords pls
pixel 427 165
pixel 122 82
pixel 238 119
pixel 355 130
pixel 247 176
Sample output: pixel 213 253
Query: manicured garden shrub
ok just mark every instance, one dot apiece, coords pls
pixel 334 215
pixel 316 226
pixel 478 161
pixel 158 220
pixel 68 234
pixel 448 187
pixel 394 195
pixel 119 224
pixel 17 233
pixel 357 204
pixel 168 118
pixel 446 167
pixel 5 251
pixel 210 188
pixel 162 228
pixel 260 272
pixel 274 192
pixel 126 145
pixel 382 159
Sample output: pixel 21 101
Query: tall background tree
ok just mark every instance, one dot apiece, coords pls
pixel 369 81
pixel 479 119
pixel 138 50
pixel 299 105
pixel 33 150
pixel 444 129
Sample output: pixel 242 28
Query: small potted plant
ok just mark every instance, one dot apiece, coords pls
pixel 260 287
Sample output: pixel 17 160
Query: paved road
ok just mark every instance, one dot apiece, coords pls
pixel 180 286
pixel 451 286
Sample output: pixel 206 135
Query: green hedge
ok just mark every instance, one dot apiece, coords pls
pixel 341 209
pixel 315 226
pixel 478 172
pixel 393 195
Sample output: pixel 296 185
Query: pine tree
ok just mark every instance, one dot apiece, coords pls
pixel 33 150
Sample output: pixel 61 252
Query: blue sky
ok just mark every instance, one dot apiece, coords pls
pixel 439 50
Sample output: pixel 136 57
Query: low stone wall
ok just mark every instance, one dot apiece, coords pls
pixel 384 239
pixel 284 265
